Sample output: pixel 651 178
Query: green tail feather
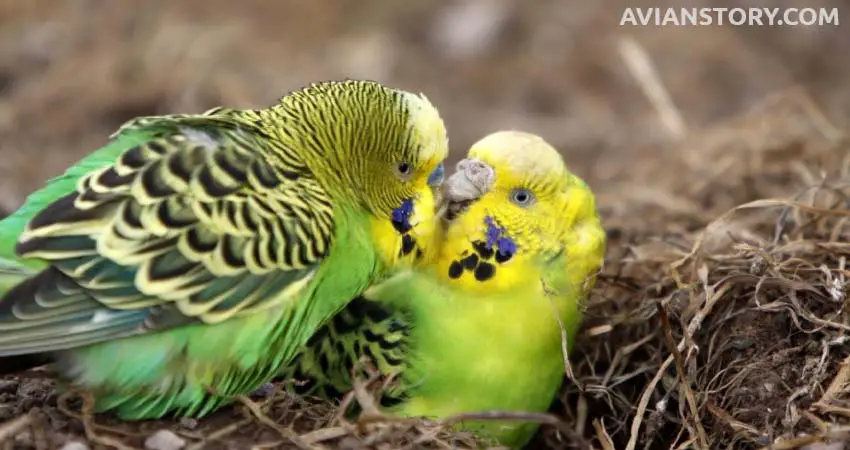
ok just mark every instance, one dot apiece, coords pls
pixel 13 272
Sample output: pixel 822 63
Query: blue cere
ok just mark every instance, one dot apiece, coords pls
pixel 436 177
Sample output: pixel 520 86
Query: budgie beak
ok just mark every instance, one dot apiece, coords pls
pixel 472 179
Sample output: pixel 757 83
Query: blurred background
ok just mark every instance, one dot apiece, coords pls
pixel 71 71
pixel 671 126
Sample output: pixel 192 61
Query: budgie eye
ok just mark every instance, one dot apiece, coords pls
pixel 522 197
pixel 404 169
pixel 437 176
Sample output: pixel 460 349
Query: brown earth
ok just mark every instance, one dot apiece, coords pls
pixel 754 299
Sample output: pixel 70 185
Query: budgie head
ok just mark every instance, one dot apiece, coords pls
pixel 514 199
pixel 382 148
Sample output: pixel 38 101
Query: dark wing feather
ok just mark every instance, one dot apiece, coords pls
pixel 205 220
pixel 366 329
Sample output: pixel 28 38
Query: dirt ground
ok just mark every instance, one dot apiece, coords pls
pixel 726 206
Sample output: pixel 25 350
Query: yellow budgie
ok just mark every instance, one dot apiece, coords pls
pixel 478 325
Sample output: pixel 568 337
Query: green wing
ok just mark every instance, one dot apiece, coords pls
pixel 365 328
pixel 181 219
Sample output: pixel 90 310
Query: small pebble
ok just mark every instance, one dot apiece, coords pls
pixel 264 390
pixel 8 386
pixel 819 446
pixel 189 423
pixel 75 445
pixel 164 440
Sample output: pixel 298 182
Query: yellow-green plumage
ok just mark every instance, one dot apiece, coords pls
pixel 197 253
pixel 478 327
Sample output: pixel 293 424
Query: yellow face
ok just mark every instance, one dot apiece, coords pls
pixel 527 209
pixel 408 235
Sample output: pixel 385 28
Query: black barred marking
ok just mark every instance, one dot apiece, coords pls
pixel 207 208
pixel 289 175
pixel 359 307
pixel 200 242
pixel 157 147
pixel 392 360
pixel 419 253
pixel 371 336
pixel 407 244
pixel 363 328
pixel 211 185
pixel 470 262
pixel 130 215
pixel 172 215
pixel 482 249
pixel 248 217
pixel 484 271
pixel 396 326
pixel 230 210
pixel 388 345
pixel 232 252
pixel 455 269
pixel 238 174
pixel 176 165
pixel 90 197
pixel 339 347
pixel 153 184
pixel 134 158
pixel 324 362
pixel 367 350
pixel 320 335
pixel 111 179
pixel 165 268
pixel 61 210
pixel 256 251
pixel 264 174
pixel 345 323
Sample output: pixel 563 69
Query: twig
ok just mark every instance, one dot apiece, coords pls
pixel 324 434
pixel 839 382
pixel 218 434
pixel 284 432
pixel 86 417
pixel 604 439
pixel 693 326
pixel 361 394
pixel 543 418
pixel 736 425
pixel 683 376
pixel 834 434
pixel 565 354
pixel 641 67
pixel 11 428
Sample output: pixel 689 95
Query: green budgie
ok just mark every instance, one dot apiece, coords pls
pixel 478 326
pixel 189 258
